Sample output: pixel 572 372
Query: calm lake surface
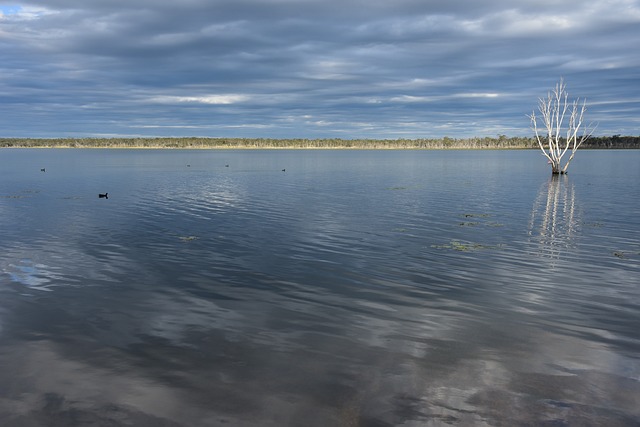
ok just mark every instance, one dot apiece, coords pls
pixel 355 288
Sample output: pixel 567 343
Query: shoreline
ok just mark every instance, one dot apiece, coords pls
pixel 501 142
pixel 65 147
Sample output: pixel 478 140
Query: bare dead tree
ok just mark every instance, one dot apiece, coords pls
pixel 554 110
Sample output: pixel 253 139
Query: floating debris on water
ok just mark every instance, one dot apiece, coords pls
pixel 457 245
pixel 188 238
pixel 593 224
pixel 478 215
pixel 472 215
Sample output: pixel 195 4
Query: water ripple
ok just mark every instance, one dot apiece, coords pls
pixel 382 288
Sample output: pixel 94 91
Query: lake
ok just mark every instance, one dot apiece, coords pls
pixel 318 288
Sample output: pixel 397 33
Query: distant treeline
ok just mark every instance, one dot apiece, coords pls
pixel 499 142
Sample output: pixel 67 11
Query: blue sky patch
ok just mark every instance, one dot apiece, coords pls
pixel 10 9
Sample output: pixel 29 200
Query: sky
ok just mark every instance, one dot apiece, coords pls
pixel 381 69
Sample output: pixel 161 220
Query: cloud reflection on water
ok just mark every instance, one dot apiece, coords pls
pixel 334 380
pixel 299 307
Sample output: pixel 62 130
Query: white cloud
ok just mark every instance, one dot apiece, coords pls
pixel 411 98
pixel 476 95
pixel 207 99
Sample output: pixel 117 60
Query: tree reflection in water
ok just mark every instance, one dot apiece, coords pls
pixel 554 217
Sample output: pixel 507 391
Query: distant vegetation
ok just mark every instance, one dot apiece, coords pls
pixel 499 142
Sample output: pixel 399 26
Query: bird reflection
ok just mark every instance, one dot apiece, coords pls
pixel 554 217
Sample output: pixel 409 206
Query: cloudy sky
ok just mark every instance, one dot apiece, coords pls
pixel 312 68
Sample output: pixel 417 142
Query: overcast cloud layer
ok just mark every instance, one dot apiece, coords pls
pixel 312 68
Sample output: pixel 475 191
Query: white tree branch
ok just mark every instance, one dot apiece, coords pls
pixel 554 111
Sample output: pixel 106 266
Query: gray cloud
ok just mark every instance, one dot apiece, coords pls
pixel 293 68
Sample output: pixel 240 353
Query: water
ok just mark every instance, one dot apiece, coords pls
pixel 370 288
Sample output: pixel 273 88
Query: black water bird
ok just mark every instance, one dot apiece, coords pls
pixel 103 196
pixel 226 166
pixel 284 170
pixel 42 170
